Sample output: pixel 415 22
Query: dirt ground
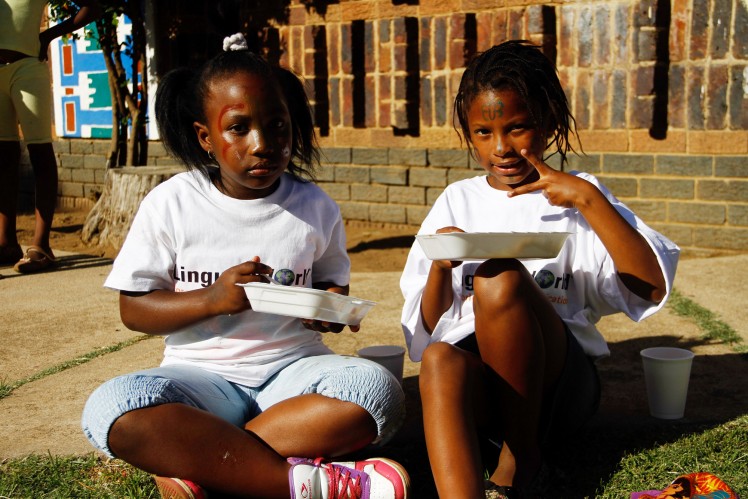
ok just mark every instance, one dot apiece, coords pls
pixel 622 425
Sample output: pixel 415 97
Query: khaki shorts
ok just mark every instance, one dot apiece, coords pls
pixel 26 99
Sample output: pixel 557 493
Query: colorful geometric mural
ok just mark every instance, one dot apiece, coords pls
pixel 82 99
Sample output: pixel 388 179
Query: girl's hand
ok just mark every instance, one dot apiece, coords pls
pixel 226 296
pixel 324 326
pixel 559 188
pixel 327 327
pixel 447 264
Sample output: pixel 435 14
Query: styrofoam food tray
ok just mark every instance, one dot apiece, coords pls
pixel 484 245
pixel 306 303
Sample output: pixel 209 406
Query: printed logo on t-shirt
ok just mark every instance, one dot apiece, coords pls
pixel 545 278
pixel 284 276
pixel 205 278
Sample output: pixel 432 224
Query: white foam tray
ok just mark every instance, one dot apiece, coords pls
pixel 484 245
pixel 306 303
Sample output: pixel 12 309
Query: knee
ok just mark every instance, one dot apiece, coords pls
pixel 499 280
pixel 441 363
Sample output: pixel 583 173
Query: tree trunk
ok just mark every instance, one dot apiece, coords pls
pixel 109 220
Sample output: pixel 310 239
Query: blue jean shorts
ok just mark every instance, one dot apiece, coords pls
pixel 350 379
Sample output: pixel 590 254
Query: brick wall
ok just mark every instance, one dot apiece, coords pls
pixel 659 90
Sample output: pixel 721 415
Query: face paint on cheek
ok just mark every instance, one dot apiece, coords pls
pixel 492 111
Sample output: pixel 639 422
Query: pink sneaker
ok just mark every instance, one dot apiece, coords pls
pixel 376 478
pixel 176 488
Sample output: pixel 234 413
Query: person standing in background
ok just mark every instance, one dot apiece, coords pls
pixel 26 100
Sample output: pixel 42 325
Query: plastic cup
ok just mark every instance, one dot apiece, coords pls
pixel 666 372
pixel 391 357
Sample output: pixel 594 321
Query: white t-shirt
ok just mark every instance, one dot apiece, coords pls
pixel 581 282
pixel 186 232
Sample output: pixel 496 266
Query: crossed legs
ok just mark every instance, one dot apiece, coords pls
pixel 522 347
pixel 178 440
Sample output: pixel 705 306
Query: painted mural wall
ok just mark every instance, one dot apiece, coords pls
pixel 82 99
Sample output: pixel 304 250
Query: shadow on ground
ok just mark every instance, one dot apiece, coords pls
pixel 622 425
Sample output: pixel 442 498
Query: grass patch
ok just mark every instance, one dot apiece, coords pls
pixel 713 328
pixel 73 477
pixel 722 451
pixel 7 388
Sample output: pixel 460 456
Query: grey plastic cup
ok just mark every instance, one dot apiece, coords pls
pixel 391 357
pixel 667 371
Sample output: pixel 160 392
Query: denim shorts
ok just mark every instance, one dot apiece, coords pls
pixel 575 398
pixel 350 379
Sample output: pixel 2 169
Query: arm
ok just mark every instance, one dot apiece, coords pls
pixel 635 262
pixel 89 11
pixel 437 294
pixel 161 312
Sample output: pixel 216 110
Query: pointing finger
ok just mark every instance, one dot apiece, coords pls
pixel 535 161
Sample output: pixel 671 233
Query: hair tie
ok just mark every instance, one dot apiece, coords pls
pixel 235 42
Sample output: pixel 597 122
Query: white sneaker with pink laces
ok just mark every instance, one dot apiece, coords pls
pixel 376 478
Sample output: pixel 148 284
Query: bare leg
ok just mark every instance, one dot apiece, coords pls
pixel 522 339
pixel 181 441
pixel 10 159
pixel 44 163
pixel 452 392
pixel 314 426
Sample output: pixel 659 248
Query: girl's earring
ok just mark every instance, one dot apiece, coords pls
pixel 211 155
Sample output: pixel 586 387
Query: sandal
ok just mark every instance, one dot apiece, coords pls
pixel 494 491
pixel 10 254
pixel 34 260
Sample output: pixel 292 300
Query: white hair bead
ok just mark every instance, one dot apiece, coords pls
pixel 235 42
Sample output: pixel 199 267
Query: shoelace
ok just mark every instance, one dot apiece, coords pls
pixel 344 485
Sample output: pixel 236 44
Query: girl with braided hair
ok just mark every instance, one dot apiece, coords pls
pixel 507 346
pixel 244 403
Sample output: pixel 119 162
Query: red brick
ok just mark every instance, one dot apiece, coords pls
pixel 399 57
pixel 296 49
pixel 699 29
pixel 398 29
pixel 297 16
pixel 370 55
pixel 679 30
pixel 716 97
pixel 602 34
pixel 457 26
pixel 333 49
pixel 566 49
pixel 500 21
pixel 457 54
pixel 347 99
pixel 440 42
pixel 582 94
pixel 424 43
pixel 385 58
pixel 426 101
pixel 516 28
pixel 370 96
pixel 601 99
pixel 484 25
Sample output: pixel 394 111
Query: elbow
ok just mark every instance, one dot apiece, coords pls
pixel 131 322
